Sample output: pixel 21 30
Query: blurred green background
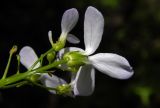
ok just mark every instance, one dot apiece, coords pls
pixel 132 29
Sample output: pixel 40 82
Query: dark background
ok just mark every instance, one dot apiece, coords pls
pixel 132 29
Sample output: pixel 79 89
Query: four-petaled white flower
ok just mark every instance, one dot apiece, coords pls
pixel 111 64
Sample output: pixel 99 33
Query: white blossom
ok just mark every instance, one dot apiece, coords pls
pixel 110 64
pixel 69 20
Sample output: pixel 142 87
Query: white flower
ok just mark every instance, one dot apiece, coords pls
pixel 69 20
pixel 28 57
pixel 110 64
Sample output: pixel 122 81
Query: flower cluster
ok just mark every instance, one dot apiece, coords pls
pixel 80 63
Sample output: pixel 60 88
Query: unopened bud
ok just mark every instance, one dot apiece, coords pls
pixel 34 78
pixel 51 56
pixel 14 49
pixel 63 89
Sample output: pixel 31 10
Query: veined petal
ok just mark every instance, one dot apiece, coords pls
pixel 68 49
pixel 51 81
pixel 113 65
pixel 84 83
pixel 93 29
pixel 69 20
pixel 28 57
pixel 72 39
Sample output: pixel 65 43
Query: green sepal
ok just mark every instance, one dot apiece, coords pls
pixel 61 42
pixel 58 45
pixel 64 89
pixel 75 58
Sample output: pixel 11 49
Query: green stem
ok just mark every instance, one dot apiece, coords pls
pixel 18 77
pixel 18 64
pixel 41 57
pixel 15 85
pixel 7 67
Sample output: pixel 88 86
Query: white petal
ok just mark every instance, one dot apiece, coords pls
pixel 69 20
pixel 73 76
pixel 50 37
pixel 72 39
pixel 113 65
pixel 52 82
pixel 68 49
pixel 84 82
pixel 93 29
pixel 28 57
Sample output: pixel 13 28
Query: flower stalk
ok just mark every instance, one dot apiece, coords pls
pixel 12 51
pixel 21 76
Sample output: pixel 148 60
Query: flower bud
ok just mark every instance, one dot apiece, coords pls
pixel 51 56
pixel 63 89
pixel 75 58
pixel 34 78
pixel 14 49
